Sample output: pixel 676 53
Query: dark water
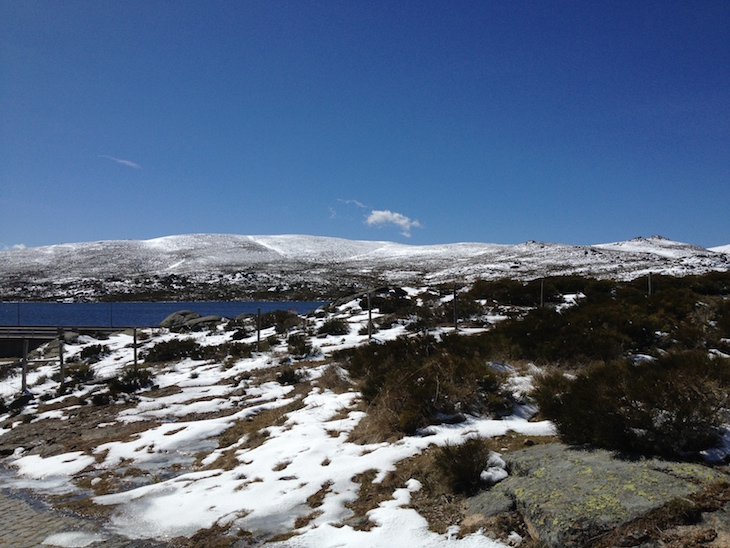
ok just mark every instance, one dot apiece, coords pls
pixel 133 314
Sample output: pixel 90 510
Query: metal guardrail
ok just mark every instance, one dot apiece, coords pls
pixel 49 332
pixel 28 332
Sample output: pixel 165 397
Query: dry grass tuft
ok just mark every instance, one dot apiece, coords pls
pixel 316 500
pixel 334 378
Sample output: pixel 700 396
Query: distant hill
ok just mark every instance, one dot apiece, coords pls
pixel 721 249
pixel 296 266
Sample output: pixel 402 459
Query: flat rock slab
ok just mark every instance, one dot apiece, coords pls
pixel 569 496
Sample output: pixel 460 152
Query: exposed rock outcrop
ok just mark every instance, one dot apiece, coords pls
pixel 570 497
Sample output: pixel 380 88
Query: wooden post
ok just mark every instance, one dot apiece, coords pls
pixel 370 317
pixel 542 292
pixel 134 344
pixel 258 330
pixel 24 384
pixel 649 288
pixel 60 360
pixel 456 317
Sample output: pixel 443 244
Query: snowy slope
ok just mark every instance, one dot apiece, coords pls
pixel 282 260
pixel 721 249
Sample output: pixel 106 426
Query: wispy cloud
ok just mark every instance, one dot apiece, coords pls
pixel 387 217
pixel 127 163
pixel 353 202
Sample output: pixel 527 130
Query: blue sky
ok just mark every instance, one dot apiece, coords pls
pixel 422 122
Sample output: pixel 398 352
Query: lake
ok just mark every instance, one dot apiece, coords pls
pixel 133 314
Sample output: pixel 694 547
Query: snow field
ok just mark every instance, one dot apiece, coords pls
pixel 268 487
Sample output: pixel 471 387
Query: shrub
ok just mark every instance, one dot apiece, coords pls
pixel 172 350
pixel 281 320
pixel 101 398
pixel 334 326
pixel 461 465
pixel 299 345
pixel 131 380
pixel 395 301
pixel 674 406
pixel 239 334
pixel 289 376
pixel 240 350
pixel 417 381
pixel 93 353
pixel 80 373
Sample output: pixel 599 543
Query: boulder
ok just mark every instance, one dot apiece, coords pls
pixel 177 320
pixel 569 496
pixel 205 322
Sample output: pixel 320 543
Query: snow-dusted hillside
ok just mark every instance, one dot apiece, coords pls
pixel 267 263
pixel 721 249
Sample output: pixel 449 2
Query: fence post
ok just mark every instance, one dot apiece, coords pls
pixel 134 344
pixel 649 288
pixel 370 317
pixel 456 316
pixel 542 292
pixel 258 330
pixel 60 360
pixel 24 384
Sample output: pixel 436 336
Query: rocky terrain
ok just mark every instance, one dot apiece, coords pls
pixel 221 435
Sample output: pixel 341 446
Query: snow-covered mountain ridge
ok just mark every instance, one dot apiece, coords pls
pixel 280 261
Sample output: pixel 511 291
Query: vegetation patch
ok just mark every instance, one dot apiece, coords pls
pixel 334 326
pixel 461 465
pixel 412 382
pixel 674 406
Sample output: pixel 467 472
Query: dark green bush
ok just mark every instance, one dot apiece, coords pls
pixel 394 301
pixel 80 373
pixel 239 349
pixel 462 465
pixel 172 350
pixel 674 406
pixel 101 398
pixel 131 380
pixel 281 320
pixel 417 381
pixel 334 326
pixel 289 376
pixel 93 353
pixel 239 334
pixel 299 345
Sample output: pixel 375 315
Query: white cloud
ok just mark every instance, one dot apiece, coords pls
pixel 387 217
pixel 127 163
pixel 19 246
pixel 14 247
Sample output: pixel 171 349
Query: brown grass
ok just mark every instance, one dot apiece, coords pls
pixel 254 429
pixel 316 500
pixel 334 378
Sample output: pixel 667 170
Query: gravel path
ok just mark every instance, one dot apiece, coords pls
pixel 27 522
